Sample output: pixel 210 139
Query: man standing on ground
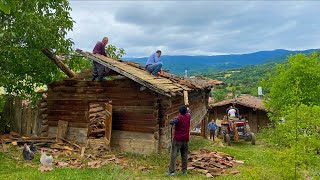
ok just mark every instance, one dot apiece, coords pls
pixel 212 126
pixel 98 69
pixel 180 139
pixel 154 63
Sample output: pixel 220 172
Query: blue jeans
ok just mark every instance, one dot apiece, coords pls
pixel 154 68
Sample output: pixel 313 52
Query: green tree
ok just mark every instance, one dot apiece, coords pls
pixel 7 6
pixel 218 94
pixel 33 26
pixel 294 82
pixel 114 52
pixel 294 98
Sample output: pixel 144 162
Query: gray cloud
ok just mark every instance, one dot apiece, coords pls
pixel 196 27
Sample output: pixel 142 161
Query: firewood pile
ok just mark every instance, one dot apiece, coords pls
pixel 97 115
pixel 211 163
pixel 43 115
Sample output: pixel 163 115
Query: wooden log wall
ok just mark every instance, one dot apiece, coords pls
pixel 133 110
pixel 198 104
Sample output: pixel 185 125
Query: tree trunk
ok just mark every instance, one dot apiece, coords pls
pixel 59 63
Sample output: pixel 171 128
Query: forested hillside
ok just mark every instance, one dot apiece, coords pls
pixel 243 80
pixel 196 64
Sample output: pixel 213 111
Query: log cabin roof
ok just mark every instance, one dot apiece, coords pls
pixel 166 84
pixel 248 101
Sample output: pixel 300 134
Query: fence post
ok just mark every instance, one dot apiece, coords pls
pixel 7 117
pixel 18 111
pixel 34 120
pixel 29 119
pixel 23 119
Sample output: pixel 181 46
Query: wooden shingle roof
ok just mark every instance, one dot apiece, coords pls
pixel 248 101
pixel 165 84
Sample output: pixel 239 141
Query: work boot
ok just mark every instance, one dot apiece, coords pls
pixel 170 173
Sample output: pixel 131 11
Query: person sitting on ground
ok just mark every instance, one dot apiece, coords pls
pixel 180 139
pixel 154 63
pixel 99 69
pixel 212 126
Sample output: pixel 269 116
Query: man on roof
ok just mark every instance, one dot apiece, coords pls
pixel 154 63
pixel 99 69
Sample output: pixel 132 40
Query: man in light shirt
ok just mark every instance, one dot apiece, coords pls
pixel 154 63
pixel 232 112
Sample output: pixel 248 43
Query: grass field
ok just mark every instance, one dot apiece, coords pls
pixel 260 163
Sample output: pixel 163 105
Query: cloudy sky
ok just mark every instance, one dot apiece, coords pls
pixel 196 27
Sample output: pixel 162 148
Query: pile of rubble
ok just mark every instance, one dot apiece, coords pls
pixel 211 163
pixel 94 154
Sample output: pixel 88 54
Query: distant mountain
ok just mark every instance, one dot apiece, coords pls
pixel 178 64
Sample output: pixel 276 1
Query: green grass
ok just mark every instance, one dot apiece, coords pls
pixel 261 162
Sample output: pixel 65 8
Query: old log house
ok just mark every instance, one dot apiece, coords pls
pixel 142 105
pixel 250 107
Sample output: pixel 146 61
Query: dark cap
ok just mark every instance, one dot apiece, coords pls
pixel 183 109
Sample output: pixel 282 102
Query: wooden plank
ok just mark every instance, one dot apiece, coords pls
pixel 23 120
pixel 134 128
pixel 186 98
pixel 29 119
pixel 76 119
pixel 108 123
pixel 71 124
pixel 62 130
pixel 59 63
pixel 35 120
pixel 18 111
pixel 53 112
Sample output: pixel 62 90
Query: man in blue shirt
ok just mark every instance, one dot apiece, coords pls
pixel 154 63
pixel 212 126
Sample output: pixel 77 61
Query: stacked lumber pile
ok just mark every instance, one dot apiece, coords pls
pixel 98 116
pixel 43 115
pixel 211 163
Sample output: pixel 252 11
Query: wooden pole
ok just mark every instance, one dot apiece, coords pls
pixel 108 123
pixel 59 63
pixel 18 111
pixel 23 119
pixel 34 121
pixel 186 98
pixel 29 119
pixel 7 117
